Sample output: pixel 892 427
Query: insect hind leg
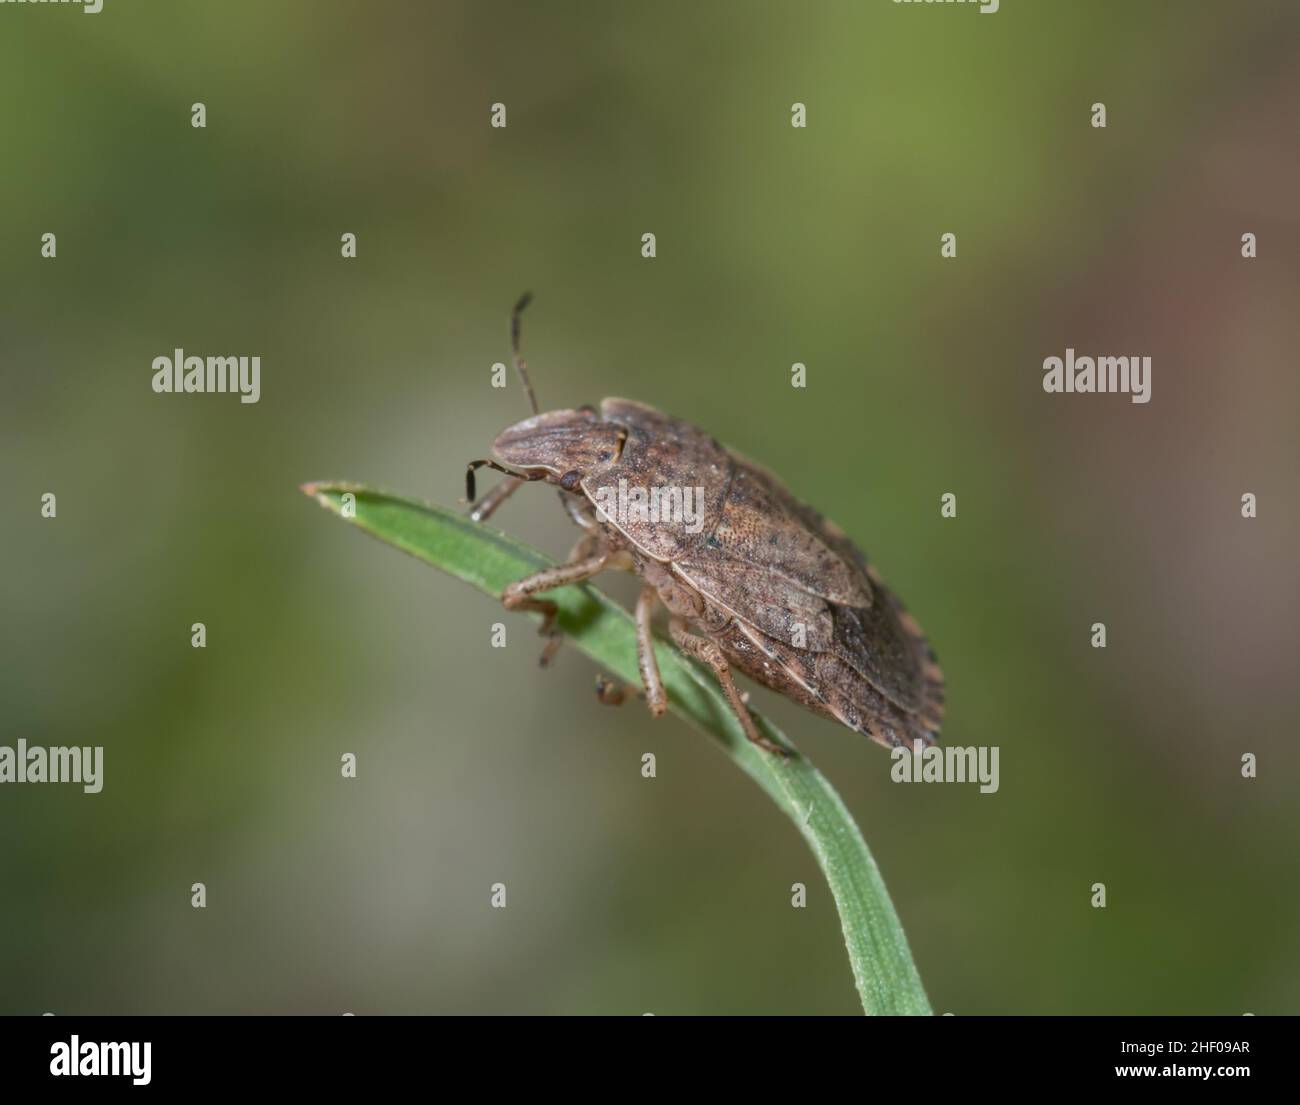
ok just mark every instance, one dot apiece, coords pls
pixel 655 697
pixel 709 653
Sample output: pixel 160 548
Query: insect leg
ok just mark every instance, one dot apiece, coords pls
pixel 518 596
pixel 520 366
pixel 578 511
pixel 708 651
pixel 482 510
pixel 583 548
pixel 655 697
pixel 608 692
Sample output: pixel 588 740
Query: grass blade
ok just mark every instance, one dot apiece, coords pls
pixel 883 970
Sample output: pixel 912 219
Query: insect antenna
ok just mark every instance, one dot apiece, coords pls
pixel 475 465
pixel 520 366
pixel 480 512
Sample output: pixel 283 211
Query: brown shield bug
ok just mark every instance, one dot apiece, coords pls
pixel 752 578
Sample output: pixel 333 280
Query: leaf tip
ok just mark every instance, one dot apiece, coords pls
pixel 319 490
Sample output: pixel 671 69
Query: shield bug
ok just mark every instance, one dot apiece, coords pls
pixel 753 579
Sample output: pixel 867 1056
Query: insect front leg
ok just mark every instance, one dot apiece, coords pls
pixel 582 564
pixel 579 511
pixel 482 510
pixel 708 651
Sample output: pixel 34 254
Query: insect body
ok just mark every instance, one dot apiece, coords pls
pixel 752 578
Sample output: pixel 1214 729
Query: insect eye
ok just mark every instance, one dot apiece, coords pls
pixel 570 479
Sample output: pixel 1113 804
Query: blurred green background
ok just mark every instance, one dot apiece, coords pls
pixel 775 245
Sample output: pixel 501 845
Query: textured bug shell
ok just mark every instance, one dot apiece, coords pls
pixel 795 604
pixel 659 451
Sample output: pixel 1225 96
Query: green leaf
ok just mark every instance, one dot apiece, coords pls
pixel 882 965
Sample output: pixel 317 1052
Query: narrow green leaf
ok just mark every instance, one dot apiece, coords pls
pixel 886 978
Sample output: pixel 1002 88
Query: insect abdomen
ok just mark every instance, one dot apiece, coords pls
pixel 828 685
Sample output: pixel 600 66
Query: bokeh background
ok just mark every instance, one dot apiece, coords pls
pixel 775 245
